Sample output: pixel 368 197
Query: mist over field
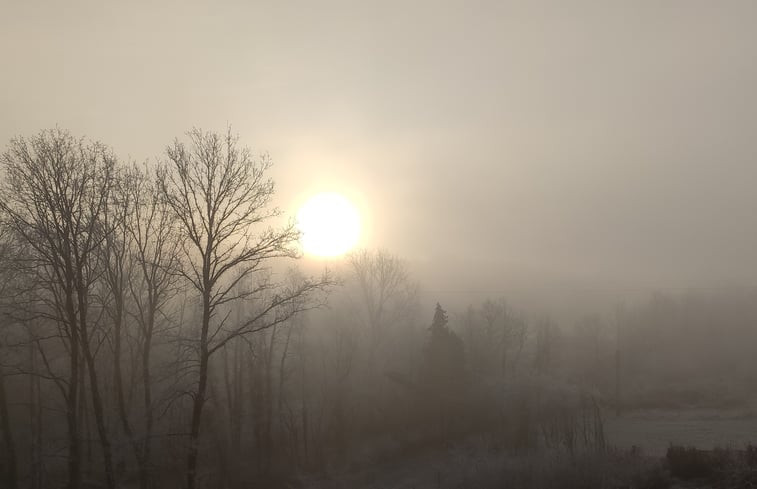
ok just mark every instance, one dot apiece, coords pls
pixel 384 245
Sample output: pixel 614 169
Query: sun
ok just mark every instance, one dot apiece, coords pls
pixel 330 225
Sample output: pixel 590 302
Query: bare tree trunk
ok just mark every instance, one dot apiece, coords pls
pixel 233 379
pixel 199 398
pixel 11 476
pixel 224 473
pixel 268 403
pixel 516 363
pixel 504 362
pixel 35 421
pixel 117 373
pixel 256 405
pixel 303 398
pixel 97 406
pixel 74 447
pixel 144 464
pixel 194 434
pixel 282 380
pixel 74 444
pixel 137 448
pixel 82 417
pixel 229 455
pixel 238 382
pixel 617 382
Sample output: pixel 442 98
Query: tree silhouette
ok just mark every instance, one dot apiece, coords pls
pixel 443 373
pixel 220 196
pixel 56 192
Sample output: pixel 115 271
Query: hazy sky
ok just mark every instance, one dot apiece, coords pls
pixel 603 142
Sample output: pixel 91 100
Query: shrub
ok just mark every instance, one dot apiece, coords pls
pixel 689 463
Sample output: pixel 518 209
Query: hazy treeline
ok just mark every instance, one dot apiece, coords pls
pixel 123 287
pixel 153 334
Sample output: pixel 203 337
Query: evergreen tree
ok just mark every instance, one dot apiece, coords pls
pixel 445 355
pixel 443 374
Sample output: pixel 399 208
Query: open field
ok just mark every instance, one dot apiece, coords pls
pixel 654 431
pixel 471 464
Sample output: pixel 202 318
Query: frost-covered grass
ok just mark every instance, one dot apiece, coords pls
pixel 473 465
pixel 655 430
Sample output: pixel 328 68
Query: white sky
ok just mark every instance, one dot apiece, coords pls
pixel 600 142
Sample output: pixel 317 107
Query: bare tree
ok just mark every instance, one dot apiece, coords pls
pixel 547 335
pixel 272 347
pixel 505 330
pixel 383 281
pixel 116 260
pixel 494 313
pixel 55 193
pixel 519 337
pixel 386 291
pixel 6 250
pixel 156 244
pixel 221 197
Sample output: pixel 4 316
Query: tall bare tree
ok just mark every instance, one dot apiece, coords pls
pixel 221 197
pixel 116 258
pixel 54 196
pixel 156 244
pixel 9 445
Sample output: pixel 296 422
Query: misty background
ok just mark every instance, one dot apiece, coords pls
pixel 555 284
pixel 597 150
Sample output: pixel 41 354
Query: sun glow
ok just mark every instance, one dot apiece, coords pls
pixel 330 225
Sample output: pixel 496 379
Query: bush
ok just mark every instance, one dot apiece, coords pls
pixel 689 463
pixel 721 467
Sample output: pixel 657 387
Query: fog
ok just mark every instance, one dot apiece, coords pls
pixel 593 142
pixel 587 167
